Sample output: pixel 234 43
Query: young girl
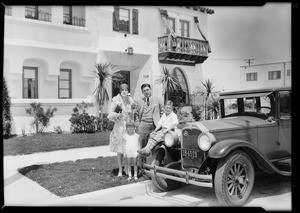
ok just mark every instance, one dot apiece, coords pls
pixel 131 147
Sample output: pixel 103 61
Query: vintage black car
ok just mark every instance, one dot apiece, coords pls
pixel 253 133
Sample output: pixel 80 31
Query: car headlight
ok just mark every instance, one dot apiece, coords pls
pixel 205 141
pixel 171 138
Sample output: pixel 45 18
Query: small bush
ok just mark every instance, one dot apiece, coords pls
pixel 81 121
pixel 41 118
pixel 58 130
pixel 6 115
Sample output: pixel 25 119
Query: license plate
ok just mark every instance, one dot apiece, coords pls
pixel 189 153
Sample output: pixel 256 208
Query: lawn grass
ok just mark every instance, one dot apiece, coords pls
pixel 80 176
pixel 46 142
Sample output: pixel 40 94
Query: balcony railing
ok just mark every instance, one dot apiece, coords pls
pixel 8 10
pixel 182 48
pixel 76 21
pixel 37 14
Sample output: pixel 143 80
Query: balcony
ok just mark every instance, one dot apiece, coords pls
pixel 76 21
pixel 37 14
pixel 182 49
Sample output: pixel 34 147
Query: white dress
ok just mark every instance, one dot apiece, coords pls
pixel 131 145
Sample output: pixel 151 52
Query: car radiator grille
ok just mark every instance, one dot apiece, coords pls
pixel 191 154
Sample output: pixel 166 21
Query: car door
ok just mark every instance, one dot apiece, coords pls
pixel 285 124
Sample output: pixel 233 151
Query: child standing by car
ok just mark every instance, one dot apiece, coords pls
pixel 167 122
pixel 131 146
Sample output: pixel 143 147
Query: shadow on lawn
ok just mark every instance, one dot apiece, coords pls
pixel 27 169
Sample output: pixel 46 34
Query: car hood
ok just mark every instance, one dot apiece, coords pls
pixel 231 123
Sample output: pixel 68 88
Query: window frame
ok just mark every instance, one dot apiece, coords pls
pixel 182 30
pixel 36 95
pixel 271 75
pixel 173 25
pixel 248 76
pixel 129 22
pixel 69 80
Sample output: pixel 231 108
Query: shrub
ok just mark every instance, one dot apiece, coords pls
pixel 197 111
pixel 81 121
pixel 6 115
pixel 58 130
pixel 41 118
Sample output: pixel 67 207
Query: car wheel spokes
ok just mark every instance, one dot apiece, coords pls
pixel 237 180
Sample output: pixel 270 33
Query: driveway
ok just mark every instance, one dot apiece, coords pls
pixel 271 192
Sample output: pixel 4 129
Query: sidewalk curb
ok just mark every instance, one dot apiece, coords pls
pixel 104 197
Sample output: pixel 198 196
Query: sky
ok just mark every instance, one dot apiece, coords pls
pixel 236 33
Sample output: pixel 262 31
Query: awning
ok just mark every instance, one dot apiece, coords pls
pixel 164 15
pixel 198 26
pixel 250 95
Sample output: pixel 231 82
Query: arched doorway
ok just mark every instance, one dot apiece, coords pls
pixel 125 79
pixel 180 95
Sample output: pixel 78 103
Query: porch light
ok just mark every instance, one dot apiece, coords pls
pixel 130 50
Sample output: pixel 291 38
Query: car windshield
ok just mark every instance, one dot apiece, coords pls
pixel 259 106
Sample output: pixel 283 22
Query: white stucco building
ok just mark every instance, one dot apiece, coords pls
pixel 49 52
pixel 266 75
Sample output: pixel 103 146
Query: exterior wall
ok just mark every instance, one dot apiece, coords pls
pixel 50 46
pixel 263 75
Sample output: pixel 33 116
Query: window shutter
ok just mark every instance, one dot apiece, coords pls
pixel 116 18
pixel 135 21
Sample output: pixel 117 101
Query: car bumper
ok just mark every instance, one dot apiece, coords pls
pixel 177 175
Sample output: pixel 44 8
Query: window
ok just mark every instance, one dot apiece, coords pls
pixel 31 12
pixel 184 28
pixel 8 10
pixel 180 94
pixel 121 20
pixel 38 12
pixel 251 76
pixel 30 82
pixel 64 84
pixel 172 24
pixel 288 72
pixel 285 103
pixel 71 19
pixel 273 75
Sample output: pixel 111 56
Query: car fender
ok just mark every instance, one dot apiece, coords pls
pixel 223 148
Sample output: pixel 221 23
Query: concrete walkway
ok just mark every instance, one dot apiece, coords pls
pixel 21 191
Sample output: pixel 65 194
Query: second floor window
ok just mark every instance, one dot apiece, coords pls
pixel 31 12
pixel 71 18
pixel 172 24
pixel 8 10
pixel 42 13
pixel 273 75
pixel 184 28
pixel 64 84
pixel 251 76
pixel 122 19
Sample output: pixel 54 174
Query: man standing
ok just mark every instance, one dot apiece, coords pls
pixel 150 111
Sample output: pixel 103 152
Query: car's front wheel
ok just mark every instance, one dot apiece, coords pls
pixel 161 183
pixel 234 179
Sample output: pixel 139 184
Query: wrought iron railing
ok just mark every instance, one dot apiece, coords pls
pixel 8 10
pixel 37 14
pixel 76 21
pixel 182 45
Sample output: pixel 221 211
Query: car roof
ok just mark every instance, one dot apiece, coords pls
pixel 255 91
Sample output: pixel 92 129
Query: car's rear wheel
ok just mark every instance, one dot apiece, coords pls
pixel 161 183
pixel 234 179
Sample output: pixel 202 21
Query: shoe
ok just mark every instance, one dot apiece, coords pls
pixel 120 175
pixel 129 178
pixel 144 152
pixel 135 177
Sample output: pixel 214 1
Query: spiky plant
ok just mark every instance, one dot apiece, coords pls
pixel 213 107
pixel 168 80
pixel 104 73
pixel 206 92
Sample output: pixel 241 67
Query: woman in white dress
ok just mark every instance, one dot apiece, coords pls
pixel 120 112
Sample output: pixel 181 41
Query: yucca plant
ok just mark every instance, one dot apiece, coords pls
pixel 213 107
pixel 207 91
pixel 104 73
pixel 169 82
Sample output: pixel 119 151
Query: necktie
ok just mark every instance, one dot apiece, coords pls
pixel 148 103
